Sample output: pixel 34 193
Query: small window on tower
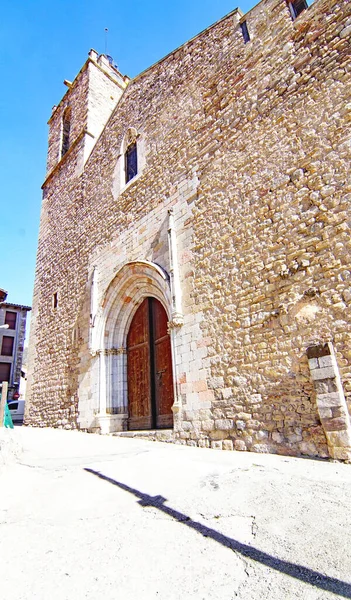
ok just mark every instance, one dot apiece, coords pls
pixel 296 7
pixel 54 300
pixel 245 32
pixel 131 161
pixel 66 127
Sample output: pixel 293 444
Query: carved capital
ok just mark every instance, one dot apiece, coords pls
pixel 176 407
pixel 131 136
pixel 176 322
pixel 109 351
pixel 121 350
pixel 115 351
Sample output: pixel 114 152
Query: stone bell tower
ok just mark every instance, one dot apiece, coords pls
pixel 78 120
pixel 75 126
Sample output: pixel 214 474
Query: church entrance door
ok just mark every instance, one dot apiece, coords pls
pixel 149 368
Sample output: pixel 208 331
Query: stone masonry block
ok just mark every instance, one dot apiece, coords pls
pixel 218 434
pixel 334 424
pixel 209 425
pixel 329 400
pixel 217 445
pixel 325 386
pixel 325 413
pixel 203 443
pixel 207 396
pixel 240 446
pixel 342 454
pixel 228 445
pixel 325 373
pixel 340 439
pixel 254 399
pixel 325 361
pixel 200 386
pixel 313 363
pixel 226 424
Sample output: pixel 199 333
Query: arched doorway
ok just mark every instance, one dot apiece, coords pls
pixel 149 368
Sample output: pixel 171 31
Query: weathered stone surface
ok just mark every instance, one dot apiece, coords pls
pixel 227 445
pixel 224 424
pixel 240 445
pixel 216 445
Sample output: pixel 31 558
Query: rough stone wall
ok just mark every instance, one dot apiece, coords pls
pixel 77 98
pixel 53 343
pixel 91 97
pixel 250 143
pixel 275 208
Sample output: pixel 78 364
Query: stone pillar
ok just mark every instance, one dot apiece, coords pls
pixel 177 318
pixel 330 398
pixel 103 383
pixel 119 401
pixel 177 314
pixel 113 405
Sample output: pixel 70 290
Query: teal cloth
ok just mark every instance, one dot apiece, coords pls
pixel 7 418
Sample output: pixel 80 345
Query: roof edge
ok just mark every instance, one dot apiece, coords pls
pixel 237 11
pixel 8 304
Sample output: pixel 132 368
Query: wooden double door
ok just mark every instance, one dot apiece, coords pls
pixel 149 370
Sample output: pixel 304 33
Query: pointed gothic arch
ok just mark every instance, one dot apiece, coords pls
pixel 133 283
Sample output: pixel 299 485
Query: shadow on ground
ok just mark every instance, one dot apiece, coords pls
pixel 330 584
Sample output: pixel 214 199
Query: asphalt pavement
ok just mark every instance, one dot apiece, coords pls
pixel 94 517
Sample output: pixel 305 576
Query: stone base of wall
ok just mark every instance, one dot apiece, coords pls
pixel 229 444
pixel 111 423
pixel 154 435
pixel 268 447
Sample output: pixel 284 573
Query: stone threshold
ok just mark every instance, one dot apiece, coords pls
pixel 160 435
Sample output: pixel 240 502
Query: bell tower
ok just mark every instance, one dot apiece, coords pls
pixel 78 120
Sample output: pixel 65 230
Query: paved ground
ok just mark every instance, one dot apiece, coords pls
pixel 89 517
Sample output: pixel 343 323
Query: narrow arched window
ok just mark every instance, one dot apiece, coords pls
pixel 66 127
pixel 245 32
pixel 296 7
pixel 131 161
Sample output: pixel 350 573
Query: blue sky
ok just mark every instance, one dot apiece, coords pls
pixel 43 43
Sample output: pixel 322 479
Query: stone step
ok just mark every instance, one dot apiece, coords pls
pixel 160 435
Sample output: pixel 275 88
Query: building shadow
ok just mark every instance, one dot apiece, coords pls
pixel 330 584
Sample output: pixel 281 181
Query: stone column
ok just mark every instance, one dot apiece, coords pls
pixel 113 390
pixel 119 380
pixel 103 384
pixel 177 318
pixel 177 314
pixel 330 398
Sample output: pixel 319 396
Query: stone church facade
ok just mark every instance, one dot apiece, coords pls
pixel 193 268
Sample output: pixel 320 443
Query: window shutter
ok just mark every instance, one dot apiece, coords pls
pixel 10 319
pixel 5 369
pixel 7 345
